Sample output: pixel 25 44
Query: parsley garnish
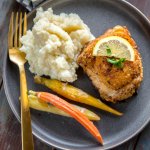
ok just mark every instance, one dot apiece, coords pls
pixel 108 50
pixel 116 62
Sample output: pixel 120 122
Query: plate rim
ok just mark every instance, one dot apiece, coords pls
pixel 124 2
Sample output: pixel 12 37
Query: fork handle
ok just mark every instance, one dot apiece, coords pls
pixel 26 130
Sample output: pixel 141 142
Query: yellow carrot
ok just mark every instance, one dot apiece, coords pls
pixel 75 94
pixel 37 104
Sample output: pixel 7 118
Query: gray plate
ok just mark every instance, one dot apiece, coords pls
pixel 66 133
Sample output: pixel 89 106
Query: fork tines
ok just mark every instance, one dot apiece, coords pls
pixel 17 21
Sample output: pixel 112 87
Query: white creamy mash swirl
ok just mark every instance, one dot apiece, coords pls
pixel 53 44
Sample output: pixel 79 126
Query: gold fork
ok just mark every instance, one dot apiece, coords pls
pixel 18 58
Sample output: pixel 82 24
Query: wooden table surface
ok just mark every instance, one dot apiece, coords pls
pixel 10 138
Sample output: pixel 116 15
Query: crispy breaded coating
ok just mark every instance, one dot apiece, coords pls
pixel 114 84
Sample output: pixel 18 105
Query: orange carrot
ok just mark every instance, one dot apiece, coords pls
pixel 72 111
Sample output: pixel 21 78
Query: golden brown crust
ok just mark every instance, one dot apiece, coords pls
pixel 114 84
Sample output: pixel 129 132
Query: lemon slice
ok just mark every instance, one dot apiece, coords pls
pixel 114 46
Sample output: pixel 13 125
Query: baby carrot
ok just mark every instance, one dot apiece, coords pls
pixel 75 94
pixel 40 105
pixel 72 111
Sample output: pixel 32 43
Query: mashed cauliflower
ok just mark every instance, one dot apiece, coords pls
pixel 53 44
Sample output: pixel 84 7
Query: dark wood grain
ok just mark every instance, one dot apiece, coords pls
pixel 143 142
pixel 9 126
pixel 10 134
